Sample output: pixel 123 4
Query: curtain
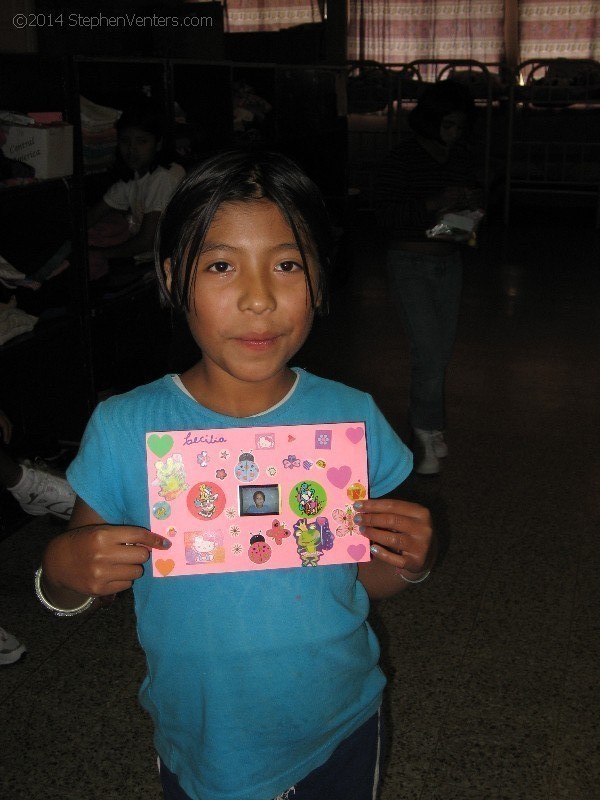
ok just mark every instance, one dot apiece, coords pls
pixel 482 30
pixel 559 29
pixel 269 15
pixel 407 30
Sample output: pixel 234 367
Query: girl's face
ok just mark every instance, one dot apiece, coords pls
pixel 138 149
pixel 452 127
pixel 250 310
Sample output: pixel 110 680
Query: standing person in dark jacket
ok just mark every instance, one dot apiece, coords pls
pixel 429 173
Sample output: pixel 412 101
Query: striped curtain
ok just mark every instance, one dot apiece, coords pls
pixel 559 29
pixel 407 30
pixel 269 15
pixel 482 30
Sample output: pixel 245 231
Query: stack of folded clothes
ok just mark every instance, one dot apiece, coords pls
pixel 98 134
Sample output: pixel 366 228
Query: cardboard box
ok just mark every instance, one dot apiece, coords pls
pixel 47 148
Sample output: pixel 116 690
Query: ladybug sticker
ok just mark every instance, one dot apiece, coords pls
pixel 246 469
pixel 259 551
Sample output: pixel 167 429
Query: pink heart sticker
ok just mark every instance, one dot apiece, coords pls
pixel 356 551
pixel 339 477
pixel 355 434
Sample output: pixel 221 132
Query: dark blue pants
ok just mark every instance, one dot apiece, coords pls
pixel 351 772
pixel 428 290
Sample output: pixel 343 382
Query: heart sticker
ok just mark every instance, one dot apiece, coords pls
pixel 165 565
pixel 160 445
pixel 355 434
pixel 356 551
pixel 339 477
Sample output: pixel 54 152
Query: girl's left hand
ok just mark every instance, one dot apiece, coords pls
pixel 401 532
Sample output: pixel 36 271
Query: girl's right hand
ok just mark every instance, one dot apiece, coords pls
pixel 97 559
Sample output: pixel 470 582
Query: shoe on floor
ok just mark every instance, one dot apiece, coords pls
pixel 41 492
pixel 426 461
pixel 440 448
pixel 11 650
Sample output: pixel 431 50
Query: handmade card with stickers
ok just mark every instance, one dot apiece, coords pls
pixel 257 498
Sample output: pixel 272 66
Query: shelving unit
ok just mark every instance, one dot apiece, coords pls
pixel 100 342
pixel 48 376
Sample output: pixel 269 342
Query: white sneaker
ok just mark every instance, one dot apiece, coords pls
pixel 440 448
pixel 11 650
pixel 426 461
pixel 43 493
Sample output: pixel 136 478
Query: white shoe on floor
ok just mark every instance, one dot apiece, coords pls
pixel 440 448
pixel 426 461
pixel 11 650
pixel 43 493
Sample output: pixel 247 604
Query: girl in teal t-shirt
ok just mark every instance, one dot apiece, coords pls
pixel 266 684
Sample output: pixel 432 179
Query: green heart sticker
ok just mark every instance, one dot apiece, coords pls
pixel 160 445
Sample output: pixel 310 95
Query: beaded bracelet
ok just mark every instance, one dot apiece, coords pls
pixel 59 612
pixel 419 580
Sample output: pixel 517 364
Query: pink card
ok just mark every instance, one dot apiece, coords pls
pixel 240 499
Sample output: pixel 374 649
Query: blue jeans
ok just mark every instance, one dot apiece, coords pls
pixel 352 771
pixel 428 288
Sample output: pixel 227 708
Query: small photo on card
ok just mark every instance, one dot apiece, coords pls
pixel 258 500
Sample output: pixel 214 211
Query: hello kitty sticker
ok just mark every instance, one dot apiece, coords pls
pixel 251 498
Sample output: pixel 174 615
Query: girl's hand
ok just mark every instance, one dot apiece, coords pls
pixel 97 559
pixel 401 533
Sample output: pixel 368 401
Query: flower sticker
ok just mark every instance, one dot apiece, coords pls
pixel 237 549
pixel 203 458
pixel 224 454
pixel 323 439
pixel 221 474
pixel 230 513
pixel 271 471
pixel 345 518
pixel 291 461
pixel 234 530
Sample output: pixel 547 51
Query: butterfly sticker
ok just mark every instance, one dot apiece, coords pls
pixel 345 516
pixel 290 462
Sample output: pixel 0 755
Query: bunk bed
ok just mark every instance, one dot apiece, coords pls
pixel 553 137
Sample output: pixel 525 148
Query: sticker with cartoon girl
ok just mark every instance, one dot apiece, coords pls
pixel 206 500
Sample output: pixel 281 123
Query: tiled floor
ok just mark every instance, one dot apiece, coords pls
pixel 493 663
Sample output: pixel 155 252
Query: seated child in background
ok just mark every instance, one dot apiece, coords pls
pixel 260 684
pixel 124 222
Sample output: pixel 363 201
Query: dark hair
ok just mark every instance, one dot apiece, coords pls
pixel 145 114
pixel 239 176
pixel 438 100
pixel 259 492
